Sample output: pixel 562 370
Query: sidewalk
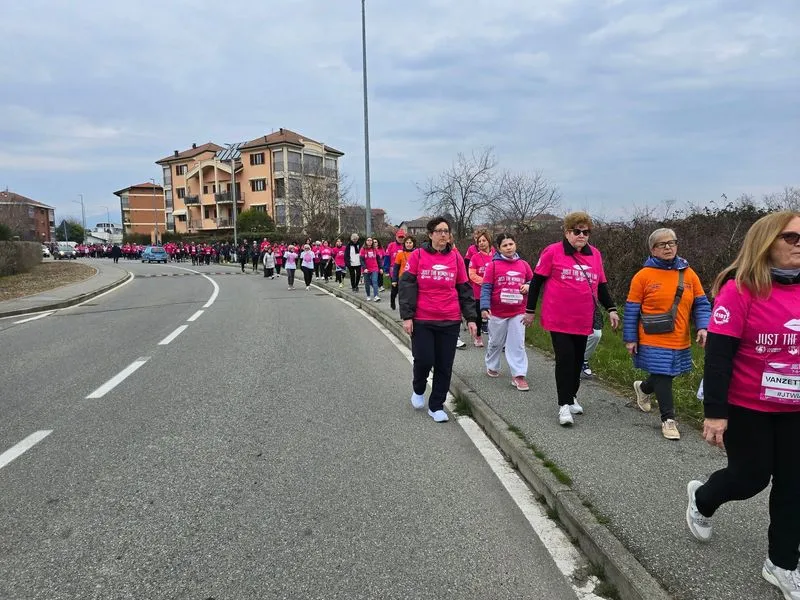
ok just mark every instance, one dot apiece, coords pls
pixel 631 477
pixel 108 276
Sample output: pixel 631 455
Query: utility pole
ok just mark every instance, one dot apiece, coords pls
pixel 366 114
pixel 83 214
pixel 233 199
pixel 155 215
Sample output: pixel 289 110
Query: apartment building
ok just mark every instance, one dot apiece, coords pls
pixel 142 208
pixel 31 220
pixel 272 173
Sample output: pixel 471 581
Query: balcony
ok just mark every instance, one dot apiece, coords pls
pixel 222 223
pixel 191 200
pixel 196 224
pixel 225 198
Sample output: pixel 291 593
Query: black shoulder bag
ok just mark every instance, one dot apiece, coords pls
pixel 597 316
pixel 664 322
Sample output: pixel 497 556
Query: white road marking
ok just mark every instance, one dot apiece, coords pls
pixel 173 335
pixel 195 316
pixel 20 448
pixel 39 316
pixel 214 294
pixel 118 378
pixel 566 556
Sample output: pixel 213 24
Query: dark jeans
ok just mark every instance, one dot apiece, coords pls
pixel 355 276
pixel 242 263
pixel 433 346
pixel 317 268
pixel 662 386
pixel 326 269
pixel 339 276
pixel 569 351
pixel 308 275
pixel 480 318
pixel 393 296
pixel 290 276
pixel 277 268
pixel 269 272
pixel 761 446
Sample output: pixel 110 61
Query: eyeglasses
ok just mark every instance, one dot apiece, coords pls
pixel 790 237
pixel 576 231
pixel 667 244
pixel 441 231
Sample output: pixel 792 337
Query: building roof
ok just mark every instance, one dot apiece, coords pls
pixel 7 197
pixel 418 222
pixel 285 136
pixel 148 185
pixel 193 151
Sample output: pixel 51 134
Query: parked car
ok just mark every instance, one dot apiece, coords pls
pixel 65 251
pixel 46 252
pixel 154 254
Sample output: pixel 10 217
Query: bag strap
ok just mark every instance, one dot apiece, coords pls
pixel 589 283
pixel 678 293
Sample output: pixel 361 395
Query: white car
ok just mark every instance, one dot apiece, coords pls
pixel 45 252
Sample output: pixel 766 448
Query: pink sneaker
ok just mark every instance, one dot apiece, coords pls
pixel 491 373
pixel 520 383
pixel 478 342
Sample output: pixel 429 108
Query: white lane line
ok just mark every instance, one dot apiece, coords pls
pixel 173 335
pixel 214 294
pixel 566 556
pixel 39 316
pixel 195 316
pixel 118 378
pixel 20 448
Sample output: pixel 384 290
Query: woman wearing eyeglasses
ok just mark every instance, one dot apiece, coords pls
pixel 664 297
pixel 434 293
pixel 571 278
pixel 752 391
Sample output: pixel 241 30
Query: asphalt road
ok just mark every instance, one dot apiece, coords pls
pixel 268 451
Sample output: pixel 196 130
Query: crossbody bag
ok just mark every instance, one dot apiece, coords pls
pixel 597 315
pixel 664 322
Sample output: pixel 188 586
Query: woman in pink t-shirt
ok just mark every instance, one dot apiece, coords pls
pixel 434 294
pixel 752 391
pixel 571 278
pixel 477 267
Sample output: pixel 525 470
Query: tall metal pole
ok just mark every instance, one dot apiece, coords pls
pixel 155 215
pixel 366 115
pixel 83 216
pixel 233 199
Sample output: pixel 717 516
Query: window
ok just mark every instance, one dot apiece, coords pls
pixel 168 199
pixel 280 188
pixel 313 164
pixel 257 159
pixel 167 177
pixel 181 169
pixel 258 185
pixel 259 208
pixel 124 201
pixel 330 167
pixel 181 218
pixel 209 212
pixel 181 193
pixel 295 188
pixel 170 222
pixel 295 162
pixel 295 216
pixel 280 214
pixel 31 212
pixel 277 161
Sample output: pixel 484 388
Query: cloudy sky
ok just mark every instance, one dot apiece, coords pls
pixel 620 102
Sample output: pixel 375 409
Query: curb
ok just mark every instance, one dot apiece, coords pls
pixel 602 548
pixel 69 301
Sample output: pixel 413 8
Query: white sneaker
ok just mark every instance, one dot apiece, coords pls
pixel 699 524
pixel 308 287
pixel 439 416
pixel 565 415
pixel 460 343
pixel 377 299
pixel 417 400
pixel 787 582
pixel 642 401
pixel 575 408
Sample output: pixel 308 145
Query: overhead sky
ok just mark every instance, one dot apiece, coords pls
pixel 621 103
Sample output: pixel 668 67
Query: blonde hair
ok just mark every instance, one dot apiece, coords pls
pixel 752 265
pixel 482 233
pixel 576 218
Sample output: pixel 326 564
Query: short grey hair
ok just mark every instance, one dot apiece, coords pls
pixel 651 241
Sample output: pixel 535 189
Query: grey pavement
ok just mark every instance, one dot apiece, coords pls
pixel 634 478
pixel 258 455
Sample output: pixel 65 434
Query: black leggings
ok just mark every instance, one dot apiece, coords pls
pixel 569 351
pixel 480 318
pixel 339 276
pixel 433 346
pixel 662 386
pixel 393 295
pixel 317 267
pixel 308 275
pixel 761 446
pixel 326 269
pixel 355 276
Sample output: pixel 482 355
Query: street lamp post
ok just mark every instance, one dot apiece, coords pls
pixel 108 223
pixel 83 214
pixel 155 215
pixel 233 199
pixel 366 114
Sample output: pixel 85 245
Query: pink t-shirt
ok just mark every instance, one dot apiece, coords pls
pixel 338 256
pixel 471 251
pixel 478 262
pixel 506 277
pixel 568 300
pixel 766 368
pixel 437 276
pixel 370 258
pixel 392 249
pixel 325 252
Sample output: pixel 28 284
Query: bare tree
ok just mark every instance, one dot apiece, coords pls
pixel 315 200
pixel 788 199
pixel 522 197
pixel 464 191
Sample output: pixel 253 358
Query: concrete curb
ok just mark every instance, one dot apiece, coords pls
pixel 603 549
pixel 69 301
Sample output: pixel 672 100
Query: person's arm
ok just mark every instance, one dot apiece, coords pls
pixel 604 297
pixel 533 293
pixel 474 277
pixel 466 299
pixel 717 373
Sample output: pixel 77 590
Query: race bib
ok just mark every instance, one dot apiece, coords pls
pixel 780 383
pixel 507 297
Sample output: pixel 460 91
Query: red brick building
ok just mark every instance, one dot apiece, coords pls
pixel 31 220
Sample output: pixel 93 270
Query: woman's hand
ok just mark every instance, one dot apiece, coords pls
pixel 473 328
pixel 527 319
pixel 394 284
pixel 523 289
pixel 614 318
pixel 485 314
pixel 408 326
pixel 632 348
pixel 702 335
pixel 713 430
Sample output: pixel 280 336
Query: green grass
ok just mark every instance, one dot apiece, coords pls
pixel 548 464
pixel 461 406
pixel 613 365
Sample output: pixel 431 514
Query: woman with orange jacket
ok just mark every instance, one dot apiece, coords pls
pixel 658 343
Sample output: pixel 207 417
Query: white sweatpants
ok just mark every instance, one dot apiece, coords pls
pixel 510 333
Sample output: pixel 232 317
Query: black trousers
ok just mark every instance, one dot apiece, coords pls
pixel 433 346
pixel 269 272
pixel 480 318
pixel 761 446
pixel 355 276
pixel 569 350
pixel 326 269
pixel 393 296
pixel 277 268
pixel 339 276
pixel 662 386
pixel 317 267
pixel 308 275
pixel 290 276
